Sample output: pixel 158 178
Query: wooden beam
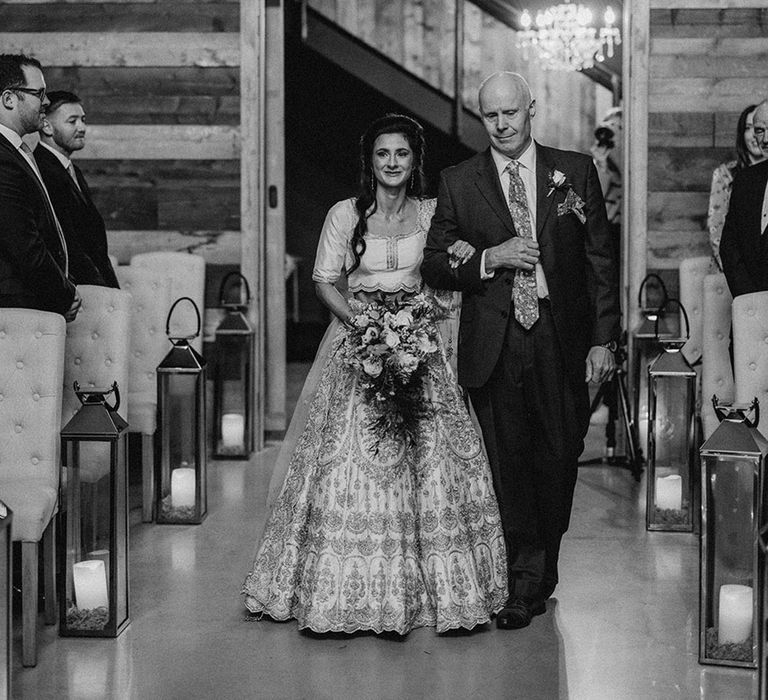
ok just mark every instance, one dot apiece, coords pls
pixel 748 47
pixel 205 49
pixel 703 4
pixel 217 247
pixel 161 142
pixel 252 52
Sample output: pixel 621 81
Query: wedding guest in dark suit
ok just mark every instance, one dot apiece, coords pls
pixel 63 133
pixel 33 252
pixel 540 318
pixel 744 245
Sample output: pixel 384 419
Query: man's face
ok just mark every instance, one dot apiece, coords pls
pixel 760 127
pixel 66 125
pixel 506 111
pixel 31 108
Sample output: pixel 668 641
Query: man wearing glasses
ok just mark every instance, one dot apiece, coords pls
pixel 744 244
pixel 33 254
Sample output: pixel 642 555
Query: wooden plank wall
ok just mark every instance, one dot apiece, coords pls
pixel 419 34
pixel 705 65
pixel 160 82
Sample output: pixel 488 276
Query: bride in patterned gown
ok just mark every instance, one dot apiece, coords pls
pixel 366 533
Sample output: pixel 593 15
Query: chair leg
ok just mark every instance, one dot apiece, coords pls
pixel 147 477
pixel 49 572
pixel 29 603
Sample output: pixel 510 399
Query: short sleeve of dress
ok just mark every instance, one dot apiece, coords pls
pixel 334 242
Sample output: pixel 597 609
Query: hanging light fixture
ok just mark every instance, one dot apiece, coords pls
pixel 565 39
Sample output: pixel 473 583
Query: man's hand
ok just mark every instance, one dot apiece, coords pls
pixel 518 252
pixel 72 312
pixel 459 252
pixel 601 364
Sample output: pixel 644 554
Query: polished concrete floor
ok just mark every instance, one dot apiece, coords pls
pixel 623 623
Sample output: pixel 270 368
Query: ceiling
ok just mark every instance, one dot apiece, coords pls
pixel 509 11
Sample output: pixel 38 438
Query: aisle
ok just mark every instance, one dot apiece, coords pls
pixel 623 624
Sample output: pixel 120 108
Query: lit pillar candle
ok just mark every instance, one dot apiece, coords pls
pixel 183 487
pixel 232 429
pixel 90 578
pixel 669 492
pixel 735 618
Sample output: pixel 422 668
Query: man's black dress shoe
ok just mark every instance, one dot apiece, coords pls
pixel 518 612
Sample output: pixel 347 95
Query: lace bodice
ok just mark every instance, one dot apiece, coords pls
pixel 389 264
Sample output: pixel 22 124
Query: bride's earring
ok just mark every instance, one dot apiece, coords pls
pixel 413 175
pixel 373 181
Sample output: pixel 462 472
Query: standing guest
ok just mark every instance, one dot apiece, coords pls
pixel 33 252
pixel 748 152
pixel 540 319
pixel 374 529
pixel 744 246
pixel 63 133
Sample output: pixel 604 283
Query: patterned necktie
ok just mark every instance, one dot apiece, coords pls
pixel 524 290
pixel 71 171
pixel 26 149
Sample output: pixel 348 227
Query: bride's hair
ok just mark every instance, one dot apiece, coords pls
pixel 366 197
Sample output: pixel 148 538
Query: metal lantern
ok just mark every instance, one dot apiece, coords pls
pixel 671 431
pixel 645 347
pixel 233 378
pixel 93 580
pixel 6 607
pixel 181 466
pixel 762 599
pixel 732 509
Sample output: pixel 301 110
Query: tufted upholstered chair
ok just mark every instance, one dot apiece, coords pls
pixel 186 273
pixel 750 351
pixel 716 371
pixel 31 372
pixel 692 273
pixel 150 301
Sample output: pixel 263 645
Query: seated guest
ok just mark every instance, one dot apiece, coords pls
pixel 33 252
pixel 63 133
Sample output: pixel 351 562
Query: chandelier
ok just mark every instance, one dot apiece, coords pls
pixel 565 39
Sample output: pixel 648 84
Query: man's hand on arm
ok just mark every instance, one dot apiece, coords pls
pixel 74 308
pixel 601 364
pixel 516 253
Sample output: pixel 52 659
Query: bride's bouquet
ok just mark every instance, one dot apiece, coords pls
pixel 393 345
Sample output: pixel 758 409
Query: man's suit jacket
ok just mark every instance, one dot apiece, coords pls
pixel 83 226
pixel 744 246
pixel 579 260
pixel 32 259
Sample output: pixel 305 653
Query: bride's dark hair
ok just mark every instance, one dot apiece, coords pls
pixel 366 197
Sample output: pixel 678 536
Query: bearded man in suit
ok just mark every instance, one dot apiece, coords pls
pixel 33 253
pixel 540 318
pixel 744 244
pixel 63 133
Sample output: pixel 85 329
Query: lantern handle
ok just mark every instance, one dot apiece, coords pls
pixel 685 316
pixel 650 276
pixel 170 313
pixel 103 392
pixel 754 408
pixel 226 279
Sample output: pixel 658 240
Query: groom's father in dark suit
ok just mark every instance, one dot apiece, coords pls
pixel 33 253
pixel 744 245
pixel 540 318
pixel 62 134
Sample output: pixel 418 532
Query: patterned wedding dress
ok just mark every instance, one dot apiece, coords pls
pixel 387 540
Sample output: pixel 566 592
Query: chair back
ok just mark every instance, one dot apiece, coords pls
pixel 716 370
pixel 186 273
pixel 692 273
pixel 150 300
pixel 97 347
pixel 31 373
pixel 750 350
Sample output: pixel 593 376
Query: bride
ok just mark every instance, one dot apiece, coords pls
pixel 371 531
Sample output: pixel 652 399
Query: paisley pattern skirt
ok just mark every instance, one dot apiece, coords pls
pixel 387 540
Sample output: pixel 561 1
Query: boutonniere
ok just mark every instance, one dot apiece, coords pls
pixel 573 204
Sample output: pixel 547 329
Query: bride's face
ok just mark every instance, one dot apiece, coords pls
pixel 392 160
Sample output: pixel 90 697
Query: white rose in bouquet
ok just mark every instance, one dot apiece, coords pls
pixel 402 319
pixel 372 367
pixel 407 361
pixel 391 338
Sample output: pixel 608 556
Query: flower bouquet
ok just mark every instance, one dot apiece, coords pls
pixel 393 345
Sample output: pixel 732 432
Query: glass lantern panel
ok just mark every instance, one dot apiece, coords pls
pixel 729 588
pixel 87 531
pixel 180 419
pixel 646 350
pixel 5 611
pixel 234 389
pixel 120 543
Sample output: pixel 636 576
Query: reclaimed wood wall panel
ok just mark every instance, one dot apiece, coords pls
pixel 706 62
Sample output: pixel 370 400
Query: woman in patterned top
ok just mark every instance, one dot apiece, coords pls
pixel 369 533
